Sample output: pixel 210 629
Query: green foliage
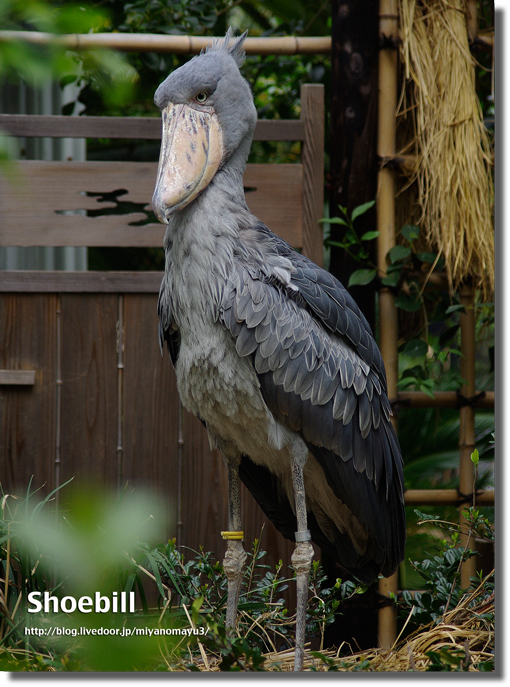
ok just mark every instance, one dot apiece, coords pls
pixel 96 543
pixel 440 573
pixel 111 74
pixel 354 245
pixel 84 548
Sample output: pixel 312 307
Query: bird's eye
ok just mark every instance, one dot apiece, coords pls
pixel 201 97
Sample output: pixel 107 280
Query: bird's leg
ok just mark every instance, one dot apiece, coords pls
pixel 235 555
pixel 303 553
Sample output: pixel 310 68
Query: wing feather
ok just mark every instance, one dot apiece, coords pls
pixel 321 375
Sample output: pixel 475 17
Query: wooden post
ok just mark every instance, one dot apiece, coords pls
pixel 353 117
pixel 312 158
pixel 467 419
pixel 388 321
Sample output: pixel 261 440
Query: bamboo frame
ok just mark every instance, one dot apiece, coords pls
pixel 444 399
pixel 388 327
pixel 467 418
pixel 189 45
pixel 161 43
pixel 446 497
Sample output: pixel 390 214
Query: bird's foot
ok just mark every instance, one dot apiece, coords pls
pixel 233 563
pixel 302 563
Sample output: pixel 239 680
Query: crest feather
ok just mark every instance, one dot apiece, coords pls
pixel 235 50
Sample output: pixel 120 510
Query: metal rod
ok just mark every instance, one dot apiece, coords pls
pixel 120 390
pixel 58 404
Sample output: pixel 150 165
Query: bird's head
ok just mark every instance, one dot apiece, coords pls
pixel 208 116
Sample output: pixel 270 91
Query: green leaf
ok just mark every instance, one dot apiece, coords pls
pixel 399 253
pixel 427 257
pixel 407 381
pixel 455 308
pixel 335 220
pixel 410 232
pixel 361 209
pixel 408 304
pixel 392 278
pixel 475 457
pixel 416 348
pixel 195 608
pixel 369 235
pixel 361 277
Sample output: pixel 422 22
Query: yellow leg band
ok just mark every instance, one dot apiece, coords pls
pixel 232 535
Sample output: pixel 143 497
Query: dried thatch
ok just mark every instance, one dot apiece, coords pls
pixel 464 631
pixel 449 189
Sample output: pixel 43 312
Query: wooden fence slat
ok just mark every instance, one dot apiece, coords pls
pixel 149 128
pixel 27 414
pixel 204 482
pixel 46 205
pixel 39 281
pixel 312 116
pixel 17 377
pixel 89 388
pixel 150 407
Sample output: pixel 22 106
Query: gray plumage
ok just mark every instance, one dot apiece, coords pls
pixel 269 348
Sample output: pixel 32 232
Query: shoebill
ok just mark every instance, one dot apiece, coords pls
pixel 270 351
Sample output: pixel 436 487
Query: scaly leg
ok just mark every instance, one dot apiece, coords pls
pixel 303 553
pixel 235 555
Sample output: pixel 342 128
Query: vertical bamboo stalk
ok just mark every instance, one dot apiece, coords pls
pixel 467 418
pixel 388 323
pixel 467 347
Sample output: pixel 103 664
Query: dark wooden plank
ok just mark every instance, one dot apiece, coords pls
pixel 59 126
pixel 205 494
pixel 279 130
pixel 17 377
pixel 38 281
pixel 150 431
pixel 28 414
pixel 312 115
pixel 89 389
pixel 47 205
pixel 274 194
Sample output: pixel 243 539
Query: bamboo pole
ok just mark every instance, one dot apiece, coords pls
pixel 444 497
pixel 179 45
pixel 388 322
pixel 467 416
pixel 185 45
pixel 443 399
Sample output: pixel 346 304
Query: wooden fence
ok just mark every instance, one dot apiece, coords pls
pixel 85 392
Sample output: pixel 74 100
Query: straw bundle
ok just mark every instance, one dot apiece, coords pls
pixel 465 631
pixel 449 189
